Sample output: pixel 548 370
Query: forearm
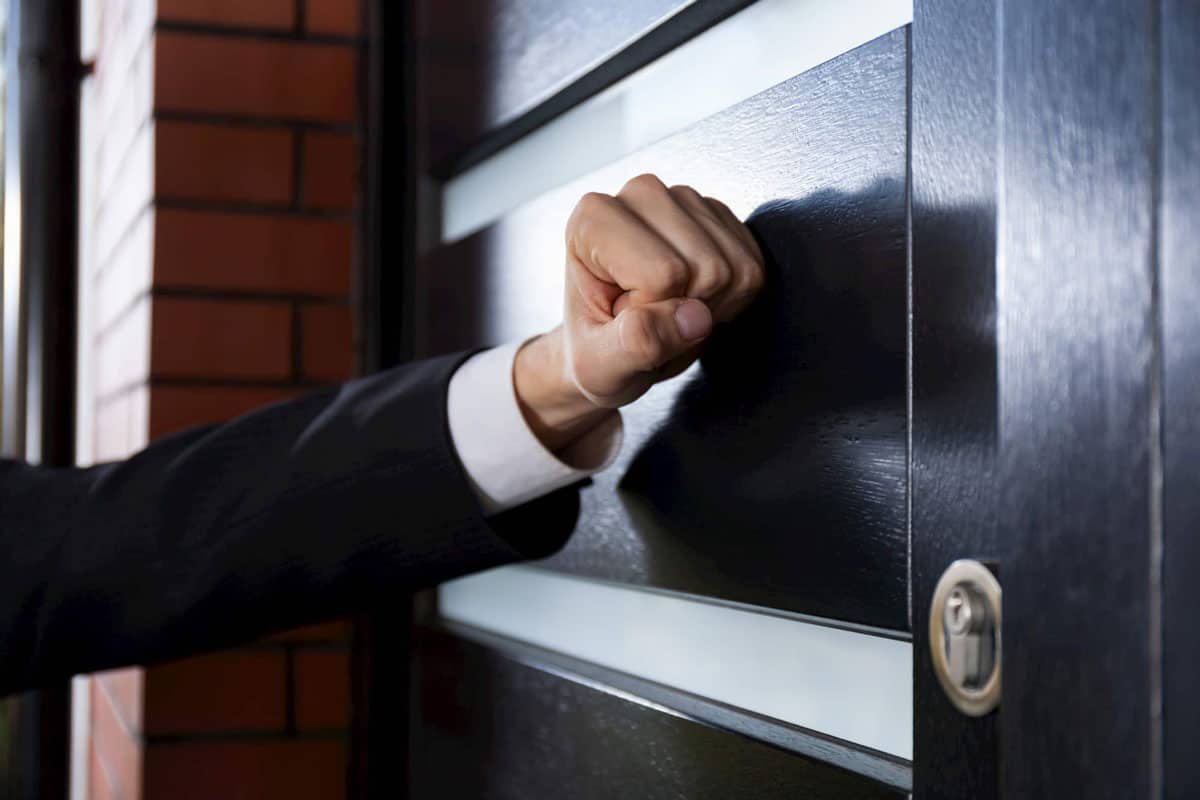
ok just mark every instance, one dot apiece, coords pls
pixel 295 513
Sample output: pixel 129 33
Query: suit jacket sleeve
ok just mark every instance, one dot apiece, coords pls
pixel 296 513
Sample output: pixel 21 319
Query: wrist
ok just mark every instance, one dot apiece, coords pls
pixel 553 406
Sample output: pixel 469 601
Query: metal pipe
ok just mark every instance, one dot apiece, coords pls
pixel 41 265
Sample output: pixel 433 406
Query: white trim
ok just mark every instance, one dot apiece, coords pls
pixel 751 51
pixel 843 683
pixel 81 729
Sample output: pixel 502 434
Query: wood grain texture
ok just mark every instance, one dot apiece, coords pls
pixel 954 377
pixel 499 68
pixel 1075 244
pixel 1179 250
pixel 491 727
pixel 775 473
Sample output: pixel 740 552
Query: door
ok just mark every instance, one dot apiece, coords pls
pixel 974 344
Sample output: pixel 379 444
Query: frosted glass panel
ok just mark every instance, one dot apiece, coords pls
pixel 751 51
pixel 853 685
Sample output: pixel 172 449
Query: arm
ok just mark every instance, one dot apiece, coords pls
pixel 297 512
pixel 340 500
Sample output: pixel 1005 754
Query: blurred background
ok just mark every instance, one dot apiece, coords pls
pixel 216 198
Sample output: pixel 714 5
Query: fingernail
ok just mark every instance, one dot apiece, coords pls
pixel 693 319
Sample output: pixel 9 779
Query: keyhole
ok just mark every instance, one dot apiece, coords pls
pixel 968 638
pixel 958 611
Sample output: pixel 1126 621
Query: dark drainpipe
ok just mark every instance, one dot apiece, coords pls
pixel 41 206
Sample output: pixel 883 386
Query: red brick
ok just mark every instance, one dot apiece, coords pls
pixel 252 252
pixel 234 691
pixel 326 343
pixel 174 408
pixel 339 17
pixel 327 632
pixel 322 689
pixel 220 339
pixel 124 687
pixel 255 77
pixel 199 161
pixel 295 770
pixel 119 752
pixel 278 14
pixel 330 171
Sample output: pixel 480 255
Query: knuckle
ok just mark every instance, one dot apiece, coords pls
pixel 712 276
pixel 589 207
pixel 668 276
pixel 684 192
pixel 591 204
pixel 755 277
pixel 718 206
pixel 751 280
pixel 645 183
pixel 705 288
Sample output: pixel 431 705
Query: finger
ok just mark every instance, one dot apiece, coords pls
pixel 660 210
pixel 745 263
pixel 750 275
pixel 727 303
pixel 637 345
pixel 615 246
pixel 736 225
pixel 589 298
pixel 749 272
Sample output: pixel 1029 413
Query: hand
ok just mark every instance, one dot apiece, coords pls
pixel 649 271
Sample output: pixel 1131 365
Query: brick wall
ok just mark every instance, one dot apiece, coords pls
pixel 219 163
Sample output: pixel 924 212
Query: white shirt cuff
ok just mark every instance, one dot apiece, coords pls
pixel 503 458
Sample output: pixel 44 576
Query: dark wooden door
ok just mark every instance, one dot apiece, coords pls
pixel 975 343
pixel 1051 149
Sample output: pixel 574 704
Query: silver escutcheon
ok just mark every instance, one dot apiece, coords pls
pixel 964 636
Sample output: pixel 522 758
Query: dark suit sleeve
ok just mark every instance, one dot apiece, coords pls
pixel 296 513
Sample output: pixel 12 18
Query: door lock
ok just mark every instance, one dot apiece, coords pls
pixel 964 636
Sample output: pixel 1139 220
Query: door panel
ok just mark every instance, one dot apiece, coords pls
pixel 774 473
pixel 495 727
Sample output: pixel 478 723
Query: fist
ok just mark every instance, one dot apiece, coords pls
pixel 649 272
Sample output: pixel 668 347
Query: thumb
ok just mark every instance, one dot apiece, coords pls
pixel 614 362
pixel 653 334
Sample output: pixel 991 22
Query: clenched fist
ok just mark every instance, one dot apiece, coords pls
pixel 649 271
